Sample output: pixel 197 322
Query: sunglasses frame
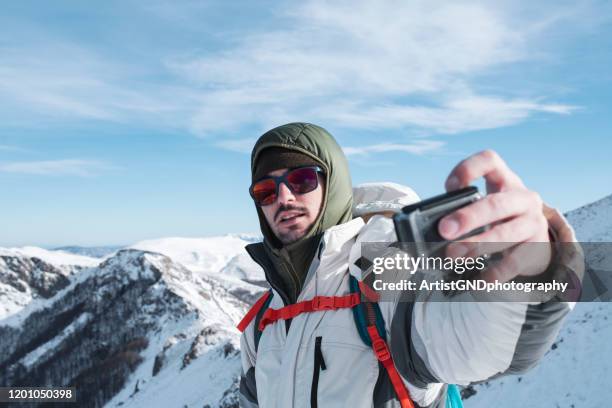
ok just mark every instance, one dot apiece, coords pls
pixel 283 179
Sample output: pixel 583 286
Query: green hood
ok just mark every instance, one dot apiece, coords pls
pixel 292 261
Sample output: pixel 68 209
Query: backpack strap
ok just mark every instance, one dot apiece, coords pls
pixel 383 354
pixel 258 318
pixel 256 312
pixel 371 327
pixel 246 320
pixel 263 315
pixel 453 397
pixel 316 304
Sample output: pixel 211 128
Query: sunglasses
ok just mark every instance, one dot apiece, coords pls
pixel 301 180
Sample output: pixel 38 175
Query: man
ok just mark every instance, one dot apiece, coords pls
pixel 313 231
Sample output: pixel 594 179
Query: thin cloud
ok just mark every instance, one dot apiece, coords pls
pixel 453 116
pixel 419 147
pixel 347 63
pixel 350 64
pixel 237 145
pixel 68 167
pixel 66 82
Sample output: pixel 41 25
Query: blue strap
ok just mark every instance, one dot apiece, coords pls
pixel 453 397
pixel 361 318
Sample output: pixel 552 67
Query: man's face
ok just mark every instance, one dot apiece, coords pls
pixel 292 215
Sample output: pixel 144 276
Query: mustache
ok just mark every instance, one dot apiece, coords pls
pixel 289 207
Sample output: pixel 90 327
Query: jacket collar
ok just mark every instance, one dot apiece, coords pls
pixel 331 243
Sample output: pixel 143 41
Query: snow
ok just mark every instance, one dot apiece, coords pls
pixel 58 258
pixel 578 371
pixel 15 299
pixel 195 334
pixel 204 335
pixel 40 351
pixel 202 382
pixel 12 301
pixel 29 305
pixel 243 267
pixel 93 252
pixel 208 255
pixel 593 222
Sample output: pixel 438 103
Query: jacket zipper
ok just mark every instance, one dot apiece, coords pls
pixel 319 364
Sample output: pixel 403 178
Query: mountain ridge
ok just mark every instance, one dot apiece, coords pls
pixel 160 317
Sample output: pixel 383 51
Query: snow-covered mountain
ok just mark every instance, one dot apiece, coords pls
pixel 93 252
pixel 55 257
pixel 30 275
pixel 153 325
pixel 222 257
pixel 577 371
pixel 593 222
pixel 137 330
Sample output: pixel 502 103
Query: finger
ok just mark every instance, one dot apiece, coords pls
pixel 485 164
pixel 499 237
pixel 506 270
pixel 492 208
pixel 461 249
pixel 526 259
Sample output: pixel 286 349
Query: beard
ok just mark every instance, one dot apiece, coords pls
pixel 289 235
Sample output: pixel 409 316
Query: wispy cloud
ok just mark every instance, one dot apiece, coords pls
pixel 418 147
pixel 350 64
pixel 68 167
pixel 360 64
pixel 454 115
pixel 237 145
pixel 67 82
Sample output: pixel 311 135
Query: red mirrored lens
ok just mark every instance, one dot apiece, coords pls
pixel 264 191
pixel 302 180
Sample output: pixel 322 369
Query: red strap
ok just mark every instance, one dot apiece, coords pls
pixel 244 323
pixel 383 354
pixel 368 292
pixel 316 304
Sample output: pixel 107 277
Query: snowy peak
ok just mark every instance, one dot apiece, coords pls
pixel 25 279
pixel 209 256
pixel 135 265
pixel 244 268
pixel 141 319
pixel 92 252
pixel 58 258
pixel 32 275
pixel 593 222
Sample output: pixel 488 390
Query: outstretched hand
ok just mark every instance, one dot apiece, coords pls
pixel 513 212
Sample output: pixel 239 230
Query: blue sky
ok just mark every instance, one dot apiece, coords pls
pixel 134 120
